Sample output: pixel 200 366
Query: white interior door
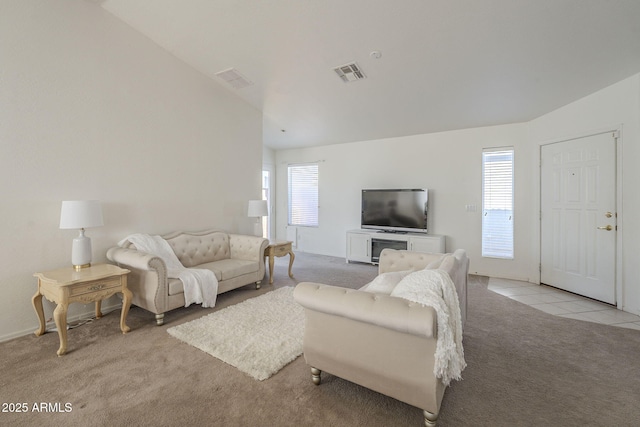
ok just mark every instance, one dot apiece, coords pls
pixel 578 216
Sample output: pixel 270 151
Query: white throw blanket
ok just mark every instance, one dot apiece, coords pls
pixel 200 285
pixel 434 288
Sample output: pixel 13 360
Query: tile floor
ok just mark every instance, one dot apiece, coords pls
pixel 564 304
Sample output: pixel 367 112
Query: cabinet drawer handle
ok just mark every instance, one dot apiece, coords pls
pixel 96 287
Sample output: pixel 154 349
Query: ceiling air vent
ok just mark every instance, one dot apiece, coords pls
pixel 234 78
pixel 349 72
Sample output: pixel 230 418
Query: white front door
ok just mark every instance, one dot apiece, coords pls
pixel 578 216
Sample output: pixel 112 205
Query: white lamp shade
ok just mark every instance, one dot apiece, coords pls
pixel 257 208
pixel 81 214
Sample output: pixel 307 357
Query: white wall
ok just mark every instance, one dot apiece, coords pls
pixel 617 106
pixel 89 108
pixel 268 156
pixel 448 163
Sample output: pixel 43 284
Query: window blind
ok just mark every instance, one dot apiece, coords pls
pixel 497 203
pixel 303 195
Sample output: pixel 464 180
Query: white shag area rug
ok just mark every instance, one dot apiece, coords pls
pixel 259 336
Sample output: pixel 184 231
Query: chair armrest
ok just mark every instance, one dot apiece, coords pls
pixel 401 260
pixel 382 310
pixel 250 248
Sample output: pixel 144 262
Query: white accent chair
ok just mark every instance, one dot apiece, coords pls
pixel 379 341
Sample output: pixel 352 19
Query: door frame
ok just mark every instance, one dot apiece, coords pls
pixel 617 131
pixel 271 228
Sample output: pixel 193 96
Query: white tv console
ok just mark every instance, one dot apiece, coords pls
pixel 366 245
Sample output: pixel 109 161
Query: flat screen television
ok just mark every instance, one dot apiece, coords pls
pixel 400 210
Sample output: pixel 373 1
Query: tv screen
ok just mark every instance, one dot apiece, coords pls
pixel 395 210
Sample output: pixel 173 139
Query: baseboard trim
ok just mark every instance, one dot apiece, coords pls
pixel 51 325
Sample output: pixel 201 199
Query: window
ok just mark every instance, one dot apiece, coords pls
pixel 303 195
pixel 497 203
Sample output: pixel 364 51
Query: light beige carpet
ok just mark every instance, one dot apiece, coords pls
pixel 526 368
pixel 258 336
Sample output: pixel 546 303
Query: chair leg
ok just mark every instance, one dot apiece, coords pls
pixel 430 419
pixel 258 284
pixel 315 375
pixel 160 319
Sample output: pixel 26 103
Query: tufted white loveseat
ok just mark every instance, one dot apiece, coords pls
pixel 236 260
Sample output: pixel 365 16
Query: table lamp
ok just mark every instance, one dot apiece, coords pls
pixel 81 214
pixel 257 209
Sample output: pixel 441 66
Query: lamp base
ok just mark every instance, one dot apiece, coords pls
pixel 80 267
pixel 81 251
pixel 257 228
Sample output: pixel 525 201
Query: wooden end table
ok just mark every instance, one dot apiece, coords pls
pixel 91 284
pixel 278 249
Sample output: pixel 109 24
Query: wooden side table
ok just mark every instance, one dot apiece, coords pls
pixel 91 284
pixel 278 249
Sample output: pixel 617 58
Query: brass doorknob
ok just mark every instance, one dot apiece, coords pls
pixel 608 228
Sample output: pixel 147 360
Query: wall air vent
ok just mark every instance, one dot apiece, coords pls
pixel 349 72
pixel 234 78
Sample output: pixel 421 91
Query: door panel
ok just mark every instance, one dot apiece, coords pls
pixel 578 190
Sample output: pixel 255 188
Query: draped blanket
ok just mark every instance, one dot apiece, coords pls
pixel 434 288
pixel 200 285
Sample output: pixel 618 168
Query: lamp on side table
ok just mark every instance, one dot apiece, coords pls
pixel 257 209
pixel 81 214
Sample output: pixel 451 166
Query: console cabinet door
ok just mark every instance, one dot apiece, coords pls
pixel 427 244
pixel 358 247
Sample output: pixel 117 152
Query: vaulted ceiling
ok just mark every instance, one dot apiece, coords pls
pixel 442 65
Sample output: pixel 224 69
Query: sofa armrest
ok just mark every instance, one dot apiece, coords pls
pixel 148 278
pixel 382 310
pixel 136 259
pixel 250 248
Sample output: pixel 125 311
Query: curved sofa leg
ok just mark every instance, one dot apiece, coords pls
pixel 258 284
pixel 430 419
pixel 160 319
pixel 315 375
